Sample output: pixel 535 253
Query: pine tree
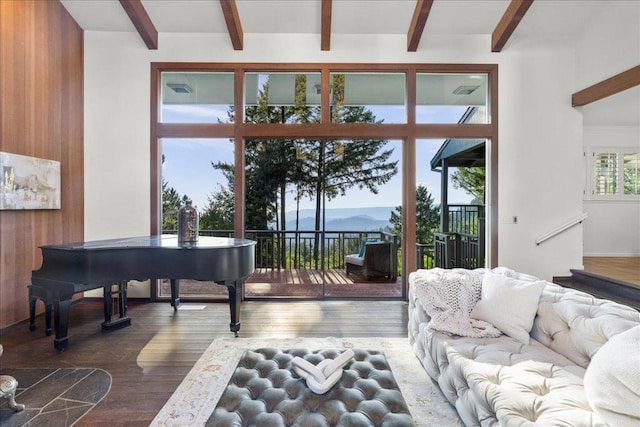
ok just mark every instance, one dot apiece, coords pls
pixel 427 216
pixel 471 180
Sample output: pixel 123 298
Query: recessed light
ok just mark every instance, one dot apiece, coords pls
pixel 180 87
pixel 465 90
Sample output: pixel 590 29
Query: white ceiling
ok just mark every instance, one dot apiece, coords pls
pixel 549 17
pixel 562 18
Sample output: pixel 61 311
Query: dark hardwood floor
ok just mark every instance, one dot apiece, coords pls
pixel 149 359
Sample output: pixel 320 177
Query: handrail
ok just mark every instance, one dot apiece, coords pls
pixel 575 221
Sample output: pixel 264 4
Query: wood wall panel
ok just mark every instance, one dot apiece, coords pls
pixel 41 115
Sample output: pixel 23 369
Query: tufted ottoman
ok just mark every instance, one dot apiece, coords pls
pixel 264 391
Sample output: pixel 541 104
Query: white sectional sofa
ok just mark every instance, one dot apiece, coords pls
pixel 579 367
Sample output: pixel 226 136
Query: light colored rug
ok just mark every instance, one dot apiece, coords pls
pixel 197 396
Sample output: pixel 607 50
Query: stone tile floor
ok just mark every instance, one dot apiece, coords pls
pixel 54 396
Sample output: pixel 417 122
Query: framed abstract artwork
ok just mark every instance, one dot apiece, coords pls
pixel 28 182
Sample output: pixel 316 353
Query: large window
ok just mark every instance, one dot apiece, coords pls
pixel 614 174
pixel 317 110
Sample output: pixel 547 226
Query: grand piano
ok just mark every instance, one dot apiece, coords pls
pixel 77 267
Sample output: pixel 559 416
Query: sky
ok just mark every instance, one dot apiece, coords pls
pixel 187 166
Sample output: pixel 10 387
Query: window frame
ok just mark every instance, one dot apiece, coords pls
pixel 407 132
pixel 590 186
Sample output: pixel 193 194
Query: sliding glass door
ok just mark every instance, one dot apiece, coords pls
pixel 312 203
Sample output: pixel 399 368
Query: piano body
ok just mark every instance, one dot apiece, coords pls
pixel 77 267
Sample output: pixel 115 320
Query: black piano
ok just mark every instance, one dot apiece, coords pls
pixel 77 267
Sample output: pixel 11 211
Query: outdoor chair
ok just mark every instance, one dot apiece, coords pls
pixel 376 261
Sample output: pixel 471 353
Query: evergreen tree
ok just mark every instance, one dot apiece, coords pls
pixel 171 203
pixel 218 214
pixel 427 217
pixel 316 169
pixel 471 180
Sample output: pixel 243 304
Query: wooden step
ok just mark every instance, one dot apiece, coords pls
pixel 602 287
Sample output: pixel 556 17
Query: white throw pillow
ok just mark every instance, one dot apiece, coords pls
pixel 509 304
pixel 612 380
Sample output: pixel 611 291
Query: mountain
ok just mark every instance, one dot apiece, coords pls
pixel 344 219
pixel 376 212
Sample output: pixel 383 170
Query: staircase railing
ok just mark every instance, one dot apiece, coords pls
pixel 561 228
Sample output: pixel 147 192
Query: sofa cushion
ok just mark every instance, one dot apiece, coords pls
pixel 532 393
pixel 491 380
pixel 354 259
pixel 612 380
pixel 509 304
pixel 576 324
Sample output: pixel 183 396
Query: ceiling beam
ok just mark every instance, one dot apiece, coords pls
pixel 231 17
pixel 418 22
pixel 325 25
pixel 508 23
pixel 611 86
pixel 141 21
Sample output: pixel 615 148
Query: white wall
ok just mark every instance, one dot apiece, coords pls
pixel 613 227
pixel 540 166
pixel 609 46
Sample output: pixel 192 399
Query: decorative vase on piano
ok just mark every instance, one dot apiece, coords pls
pixel 187 224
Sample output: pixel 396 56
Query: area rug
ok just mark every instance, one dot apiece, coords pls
pixel 196 397
pixel 54 396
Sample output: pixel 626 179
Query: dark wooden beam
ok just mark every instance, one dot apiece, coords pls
pixel 508 23
pixel 141 21
pixel 418 22
pixel 325 25
pixel 611 86
pixel 231 17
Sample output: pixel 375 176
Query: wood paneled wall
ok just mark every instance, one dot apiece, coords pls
pixel 41 115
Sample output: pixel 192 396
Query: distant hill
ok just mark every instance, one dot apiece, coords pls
pixel 375 212
pixel 343 219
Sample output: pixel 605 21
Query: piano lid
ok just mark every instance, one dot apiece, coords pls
pixel 157 241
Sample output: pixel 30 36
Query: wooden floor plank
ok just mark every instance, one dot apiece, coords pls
pixel 149 359
pixel 626 269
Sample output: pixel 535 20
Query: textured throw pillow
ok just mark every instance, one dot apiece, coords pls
pixel 612 380
pixel 509 304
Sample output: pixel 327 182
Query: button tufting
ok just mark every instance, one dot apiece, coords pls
pixel 365 396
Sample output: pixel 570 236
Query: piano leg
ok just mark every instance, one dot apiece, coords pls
pixel 36 293
pixel 122 298
pixel 175 294
pixel 235 296
pixel 123 320
pixel 61 322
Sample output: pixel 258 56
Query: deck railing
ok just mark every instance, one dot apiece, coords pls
pixel 457 250
pixel 425 256
pixel 461 243
pixel 462 246
pixel 307 249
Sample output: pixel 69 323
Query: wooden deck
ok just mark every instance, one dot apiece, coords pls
pixel 295 283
